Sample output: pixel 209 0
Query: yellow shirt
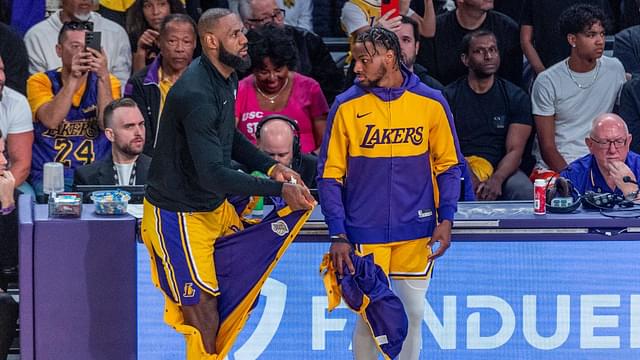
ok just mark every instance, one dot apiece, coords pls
pixel 39 91
pixel 165 84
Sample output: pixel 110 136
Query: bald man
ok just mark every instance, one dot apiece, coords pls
pixel 276 139
pixel 609 161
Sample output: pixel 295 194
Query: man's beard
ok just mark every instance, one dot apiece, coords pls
pixel 131 151
pixel 234 61
pixel 380 73
pixel 408 61
pixel 82 17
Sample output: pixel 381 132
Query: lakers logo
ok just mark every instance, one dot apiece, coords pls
pixel 375 136
pixel 189 291
pixel 280 227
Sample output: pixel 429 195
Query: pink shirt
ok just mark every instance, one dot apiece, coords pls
pixel 305 103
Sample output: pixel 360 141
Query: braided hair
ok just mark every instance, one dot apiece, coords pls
pixel 380 36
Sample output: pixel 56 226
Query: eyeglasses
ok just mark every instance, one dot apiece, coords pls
pixel 78 25
pixel 277 14
pixel 605 144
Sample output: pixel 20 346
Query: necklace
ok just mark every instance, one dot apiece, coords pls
pixel 272 99
pixel 580 86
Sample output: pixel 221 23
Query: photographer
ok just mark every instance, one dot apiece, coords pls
pixel 67 104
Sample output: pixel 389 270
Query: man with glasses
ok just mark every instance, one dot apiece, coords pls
pixel 610 161
pixel 314 58
pixel 42 38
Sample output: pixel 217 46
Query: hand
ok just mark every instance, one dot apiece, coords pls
pixel 147 40
pixel 7 185
pixel 442 234
pixel 80 65
pixel 618 170
pixel 390 23
pixel 98 63
pixel 475 182
pixel 403 6
pixel 284 174
pixel 340 256
pixel 489 190
pixel 297 196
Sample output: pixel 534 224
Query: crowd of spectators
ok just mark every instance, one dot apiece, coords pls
pixel 524 80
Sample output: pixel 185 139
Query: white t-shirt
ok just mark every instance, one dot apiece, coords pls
pixel 15 113
pixel 555 92
pixel 42 38
pixel 354 18
pixel 124 173
pixel 300 13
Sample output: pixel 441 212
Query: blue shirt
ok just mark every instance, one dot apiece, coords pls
pixel 585 175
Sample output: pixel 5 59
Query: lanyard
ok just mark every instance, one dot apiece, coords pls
pixel 132 176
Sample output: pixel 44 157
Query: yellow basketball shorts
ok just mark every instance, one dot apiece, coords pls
pixel 181 246
pixel 401 260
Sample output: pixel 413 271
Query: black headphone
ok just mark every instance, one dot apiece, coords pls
pixel 557 197
pixel 297 155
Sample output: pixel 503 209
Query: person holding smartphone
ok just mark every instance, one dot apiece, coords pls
pixel 67 104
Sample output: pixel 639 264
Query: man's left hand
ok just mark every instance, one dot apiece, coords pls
pixel 284 174
pixel 489 190
pixel 441 234
pixel 618 170
pixel 98 63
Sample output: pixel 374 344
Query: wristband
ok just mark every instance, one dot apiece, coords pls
pixel 8 210
pixel 340 239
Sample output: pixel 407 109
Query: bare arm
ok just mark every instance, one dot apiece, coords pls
pixel 19 148
pixel 145 42
pixel 427 23
pixel 105 95
pixel 546 128
pixel 319 127
pixel 516 140
pixel 53 113
pixel 526 42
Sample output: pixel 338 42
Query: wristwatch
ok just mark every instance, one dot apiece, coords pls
pixel 632 195
pixel 340 238
pixel 8 210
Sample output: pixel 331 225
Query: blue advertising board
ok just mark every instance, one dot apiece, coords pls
pixel 487 300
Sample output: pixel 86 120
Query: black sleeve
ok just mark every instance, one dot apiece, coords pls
pixel 248 154
pixel 135 90
pixel 323 69
pixel 526 17
pixel 511 64
pixel 79 176
pixel 630 110
pixel 16 62
pixel 205 147
pixel 627 49
pixel 427 56
pixel 519 106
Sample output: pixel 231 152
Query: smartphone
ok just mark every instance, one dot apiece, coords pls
pixel 92 39
pixel 390 5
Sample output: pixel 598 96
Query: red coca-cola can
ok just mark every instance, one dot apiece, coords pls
pixel 539 197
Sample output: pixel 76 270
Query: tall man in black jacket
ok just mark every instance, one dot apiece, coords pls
pixel 186 207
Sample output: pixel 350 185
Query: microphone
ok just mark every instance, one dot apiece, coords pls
pixel 628 179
